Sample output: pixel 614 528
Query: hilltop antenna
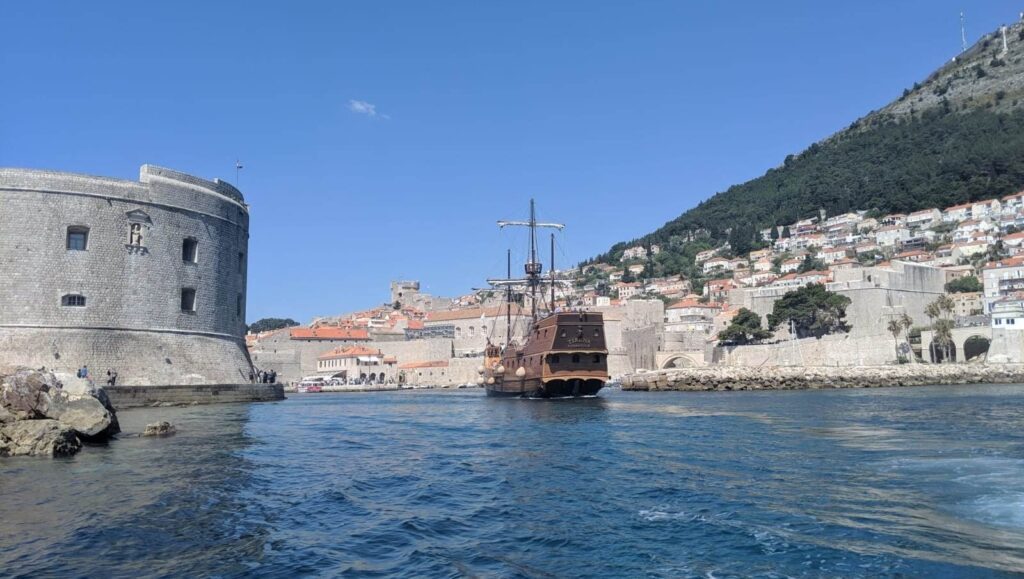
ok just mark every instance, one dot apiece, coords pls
pixel 963 34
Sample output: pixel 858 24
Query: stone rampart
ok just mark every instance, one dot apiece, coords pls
pixel 796 378
pixel 123 397
pixel 117 301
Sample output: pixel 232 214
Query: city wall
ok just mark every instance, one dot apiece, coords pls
pixel 132 320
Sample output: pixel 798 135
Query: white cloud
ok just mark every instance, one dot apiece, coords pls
pixel 365 108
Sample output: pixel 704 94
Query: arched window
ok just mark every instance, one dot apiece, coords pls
pixel 78 238
pixel 73 300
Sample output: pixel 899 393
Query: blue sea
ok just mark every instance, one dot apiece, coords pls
pixel 910 482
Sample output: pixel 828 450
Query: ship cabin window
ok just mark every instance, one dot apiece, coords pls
pixel 597 358
pixel 190 250
pixel 563 333
pixel 554 358
pixel 597 333
pixel 188 299
pixel 575 358
pixel 73 301
pixel 78 238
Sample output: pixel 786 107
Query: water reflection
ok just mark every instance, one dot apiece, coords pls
pixel 430 483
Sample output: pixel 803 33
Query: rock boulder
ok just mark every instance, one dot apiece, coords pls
pixel 44 437
pixel 159 429
pixel 44 415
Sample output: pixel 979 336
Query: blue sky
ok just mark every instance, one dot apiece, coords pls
pixel 381 140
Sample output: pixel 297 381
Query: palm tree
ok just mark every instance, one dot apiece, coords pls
pixel 944 337
pixel 894 328
pixel 946 304
pixel 907 322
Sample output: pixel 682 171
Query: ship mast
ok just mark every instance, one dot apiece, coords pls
pixel 533 267
pixel 508 302
pixel 552 305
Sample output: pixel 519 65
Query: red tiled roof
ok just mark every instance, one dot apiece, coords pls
pixel 423 364
pixel 471 313
pixel 957 207
pixel 348 352
pixel 328 333
pixel 1009 262
pixel 690 303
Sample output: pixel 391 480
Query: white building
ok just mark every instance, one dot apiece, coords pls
pixel 957 213
pixel 924 218
pixel 689 315
pixel 717 263
pixel 1008 314
pixel 891 235
pixel 1001 279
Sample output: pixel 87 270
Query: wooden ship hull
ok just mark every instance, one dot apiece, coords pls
pixel 563 356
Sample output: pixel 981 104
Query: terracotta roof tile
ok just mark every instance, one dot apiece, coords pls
pixel 328 333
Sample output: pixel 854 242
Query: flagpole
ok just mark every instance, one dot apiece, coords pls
pixel 238 167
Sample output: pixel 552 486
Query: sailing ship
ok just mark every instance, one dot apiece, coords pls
pixel 562 353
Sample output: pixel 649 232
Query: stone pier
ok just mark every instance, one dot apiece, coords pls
pixel 818 377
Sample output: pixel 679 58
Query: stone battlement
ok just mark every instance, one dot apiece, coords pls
pixel 145 277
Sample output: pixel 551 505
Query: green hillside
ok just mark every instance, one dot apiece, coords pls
pixel 956 137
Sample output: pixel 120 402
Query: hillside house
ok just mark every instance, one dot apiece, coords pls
pixel 924 218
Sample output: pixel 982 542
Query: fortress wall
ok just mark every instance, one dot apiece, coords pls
pixel 836 350
pixel 133 294
pixel 140 358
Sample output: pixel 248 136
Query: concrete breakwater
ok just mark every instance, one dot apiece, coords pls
pixel 818 377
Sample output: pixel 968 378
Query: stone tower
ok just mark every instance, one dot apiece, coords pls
pixel 144 277
pixel 404 292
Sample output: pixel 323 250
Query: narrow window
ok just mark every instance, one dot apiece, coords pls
pixel 78 238
pixel 135 235
pixel 73 300
pixel 238 306
pixel 190 250
pixel 188 299
pixel 241 261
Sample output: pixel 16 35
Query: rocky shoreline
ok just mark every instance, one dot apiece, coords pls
pixel 726 378
pixel 42 413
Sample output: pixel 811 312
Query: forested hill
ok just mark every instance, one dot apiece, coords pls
pixel 957 136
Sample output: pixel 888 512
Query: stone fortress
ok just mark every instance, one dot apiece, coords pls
pixel 147 277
